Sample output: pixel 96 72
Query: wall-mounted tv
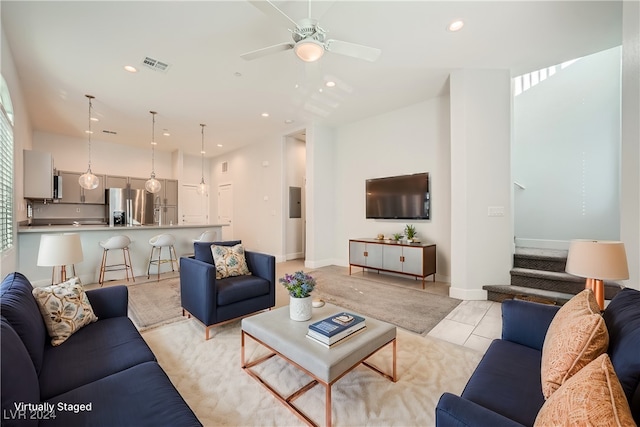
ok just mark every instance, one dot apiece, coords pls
pixel 398 197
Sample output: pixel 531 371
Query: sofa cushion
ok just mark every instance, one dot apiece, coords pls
pixel 576 336
pixel 492 384
pixel 592 397
pixel 139 396
pixel 18 377
pixel 95 351
pixel 240 288
pixel 202 250
pixel 19 307
pixel 622 317
pixel 65 308
pixel 229 261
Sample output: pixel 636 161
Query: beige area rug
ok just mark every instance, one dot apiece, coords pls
pixel 154 304
pixel 410 308
pixel 209 377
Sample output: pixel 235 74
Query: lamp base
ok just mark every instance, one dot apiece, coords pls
pixel 597 286
pixel 63 273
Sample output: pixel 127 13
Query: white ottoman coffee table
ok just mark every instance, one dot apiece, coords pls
pixel 287 338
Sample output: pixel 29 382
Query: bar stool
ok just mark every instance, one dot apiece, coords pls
pixel 121 242
pixel 158 242
pixel 207 236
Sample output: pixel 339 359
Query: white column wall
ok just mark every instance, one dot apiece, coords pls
pixel 630 159
pixel 320 210
pixel 481 245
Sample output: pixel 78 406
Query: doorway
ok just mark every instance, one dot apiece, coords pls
pixel 295 194
pixel 195 207
pixel 225 210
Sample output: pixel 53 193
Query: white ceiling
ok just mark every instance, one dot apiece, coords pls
pixel 64 50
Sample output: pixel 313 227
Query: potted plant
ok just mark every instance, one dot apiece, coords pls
pixel 299 285
pixel 397 236
pixel 410 232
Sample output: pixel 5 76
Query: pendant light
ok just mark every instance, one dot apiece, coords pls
pixel 202 187
pixel 153 185
pixel 88 180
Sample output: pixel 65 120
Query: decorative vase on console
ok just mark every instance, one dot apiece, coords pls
pixel 299 285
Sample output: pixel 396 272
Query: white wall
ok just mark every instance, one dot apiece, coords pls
pixel 630 164
pixel 321 197
pixel 481 245
pixel 255 173
pixel 566 152
pixel 71 154
pixel 408 140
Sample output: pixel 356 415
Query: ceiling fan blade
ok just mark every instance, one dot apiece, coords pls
pixel 249 56
pixel 271 10
pixel 352 49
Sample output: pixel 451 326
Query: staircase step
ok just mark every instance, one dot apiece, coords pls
pixel 556 282
pixel 500 293
pixel 540 259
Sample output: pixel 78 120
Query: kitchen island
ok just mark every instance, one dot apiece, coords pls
pixel 91 236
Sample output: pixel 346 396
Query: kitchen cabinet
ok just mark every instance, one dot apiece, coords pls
pixel 137 183
pixel 116 181
pixel 415 259
pixel 38 175
pixel 73 193
pixel 170 187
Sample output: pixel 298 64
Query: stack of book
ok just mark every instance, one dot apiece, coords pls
pixel 335 329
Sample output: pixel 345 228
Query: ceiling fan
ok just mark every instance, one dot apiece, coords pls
pixel 309 39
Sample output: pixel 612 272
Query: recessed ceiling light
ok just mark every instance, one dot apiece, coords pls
pixel 154 143
pixel 95 119
pixel 165 132
pixel 265 114
pixel 88 131
pixel 330 84
pixel 219 145
pixel 288 121
pixel 131 68
pixel 202 152
pixel 455 26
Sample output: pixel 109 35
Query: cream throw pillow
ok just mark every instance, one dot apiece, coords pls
pixel 576 336
pixel 65 308
pixel 229 261
pixel 592 397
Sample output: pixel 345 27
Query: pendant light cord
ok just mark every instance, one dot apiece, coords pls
pixel 202 155
pixel 90 132
pixel 153 144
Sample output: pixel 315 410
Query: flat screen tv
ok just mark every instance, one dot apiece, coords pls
pixel 398 197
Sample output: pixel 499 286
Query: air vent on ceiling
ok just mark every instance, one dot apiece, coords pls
pixel 110 132
pixel 225 167
pixel 154 64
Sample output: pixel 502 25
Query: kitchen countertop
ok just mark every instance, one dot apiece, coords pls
pixel 105 227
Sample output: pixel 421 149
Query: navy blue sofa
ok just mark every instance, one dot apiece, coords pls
pixel 213 301
pixel 103 375
pixel 506 390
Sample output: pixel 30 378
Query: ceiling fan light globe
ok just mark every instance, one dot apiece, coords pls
pixel 309 50
pixel 88 181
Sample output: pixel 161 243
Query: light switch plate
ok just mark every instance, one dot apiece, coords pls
pixel 495 211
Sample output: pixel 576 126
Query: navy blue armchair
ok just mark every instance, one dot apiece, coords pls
pixel 213 301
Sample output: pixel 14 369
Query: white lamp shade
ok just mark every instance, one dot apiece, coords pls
pixel 152 185
pixel 309 50
pixel 88 180
pixel 59 249
pixel 597 259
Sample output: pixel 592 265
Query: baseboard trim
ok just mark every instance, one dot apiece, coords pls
pixel 318 264
pixel 467 294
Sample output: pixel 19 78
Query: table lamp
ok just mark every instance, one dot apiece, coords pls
pixel 60 250
pixel 597 261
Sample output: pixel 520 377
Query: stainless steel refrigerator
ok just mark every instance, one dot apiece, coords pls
pixel 126 206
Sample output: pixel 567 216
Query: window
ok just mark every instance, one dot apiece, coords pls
pixel 6 168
